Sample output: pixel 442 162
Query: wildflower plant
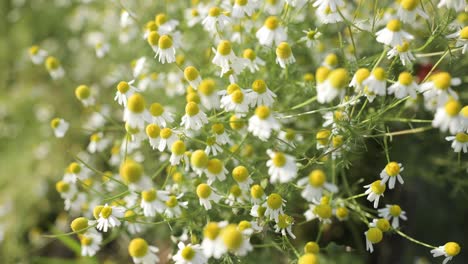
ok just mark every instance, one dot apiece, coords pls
pixel 232 125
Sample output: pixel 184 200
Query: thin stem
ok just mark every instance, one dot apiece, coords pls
pixel 414 240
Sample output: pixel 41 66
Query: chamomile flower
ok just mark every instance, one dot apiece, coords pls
pixel 330 61
pixel 164 24
pixel 83 93
pixel 193 16
pixel 159 115
pixel 458 5
pixel 320 210
pixel 282 168
pixel 253 62
pixel 235 196
pixel 392 34
pixel 323 138
pixel 447 117
pixel 449 250
pixel 391 173
pixel 208 95
pixel 212 240
pixel 206 195
pixel 334 86
pixel 242 8
pixel 263 123
pixel 133 175
pixel 327 16
pixel 67 190
pixel 165 51
pixel 462 38
pixel 274 206
pixel 257 194
pixel 108 216
pixel 153 201
pixel 192 76
pixel 215 170
pixel 141 252
pixel 226 59
pixel 341 212
pixel 284 55
pixel 241 175
pixel 261 94
pixel 215 20
pixel 178 150
pixel 333 5
pixel 97 143
pixel 124 91
pixel 409 9
pixel 220 133
pixel 174 206
pixel 393 213
pixel 60 127
pixel 307 258
pixel 333 118
pixel 404 52
pixel 136 114
pixel 199 161
pixel 189 254
pixel 235 241
pixel 153 40
pixel 90 243
pixel 374 191
pixel 315 184
pixel 271 33
pixel 194 118
pixel 274 7
pixel 76 172
pixel 167 137
pixel 405 86
pixel 459 142
pixel 37 54
pixel 376 83
pixel 212 146
pixel 131 224
pixel 54 68
pixel 373 236
pixel 284 225
pixel 439 87
pixel 311 37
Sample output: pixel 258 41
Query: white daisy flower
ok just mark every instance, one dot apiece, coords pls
pixel 153 201
pixel 334 86
pixel 189 254
pixel 220 133
pixel 320 210
pixel 54 68
pixel 274 206
pixel 66 189
pixel 391 173
pixel 333 118
pixel 447 117
pixel 159 115
pixel 124 91
pixel 405 86
pixel 142 253
pixel 315 184
pixel 164 24
pixel 284 55
pixel 260 94
pixel 90 243
pixel 459 142
pixel 310 37
pixel 192 76
pixel 76 172
pixel 215 170
pixel 323 138
pixel 253 62
pixel 458 5
pixel 208 95
pixel 235 240
pixel 178 151
pixel 327 16
pixel 393 213
pixel 282 168
pixel 392 34
pixel 60 127
pixel 212 146
pixel 409 9
pixel 332 5
pixel 241 175
pixel 193 16
pixel 242 8
pixel 274 7
pixel 462 38
pixel 174 206
pixel 373 236
pixel 263 123
pixel 374 191
pixel 108 216
pixel 257 195
pixel 376 83
pixel 97 143
pixel 194 118
pixel 404 52
pixel 235 99
pixel 227 60
pixel 207 195
pixel 284 225
pixel 136 114
pixel 37 54
pixel 439 87
pixel 165 51
pixel 236 195
pixel 133 175
pixel 212 241
pixel 271 33
pixel 83 93
pixel 215 20
pixel 449 250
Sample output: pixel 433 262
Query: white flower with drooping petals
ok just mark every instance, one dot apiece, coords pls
pixel 263 123
pixel 271 33
pixel 392 34
pixel 108 217
pixel 282 168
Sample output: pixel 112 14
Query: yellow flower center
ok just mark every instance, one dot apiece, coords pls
pixel 279 159
pixel 392 169
pixel 322 136
pixel 138 248
pixel 191 73
pixel 106 212
pixel 214 12
pixel 177 177
pixel 86 241
pixel 235 190
pixel 272 22
pixel 394 25
pixel 131 171
pixel 331 60
pixel 79 224
pixel 317 178
pixel 383 224
pixel 148 195
pixel 172 201
pixel 322 74
pixel 237 97
pixel 199 159
pixel 442 80
pixel 218 128
pixel 242 2
pixel 249 54
pixel 409 5
pixel 178 148
pixel 452 248
pixel 215 166
pixel 156 109
pixel 403 47
pixel 284 221
pixel 337 141
pixel 256 191
pixel 62 187
pixel 338 78
pixel 274 201
pixel 151 26
pixel 311 34
pixel 192 109
pixel 342 212
pixel 74 168
pixel 195 12
pixel 379 74
pixel 461 137
pixel 240 173
pixel 324 211
pixel 97 210
pixel 361 75
pixel 307 258
pixel 123 87
pixel 464 111
pixel 374 235
pixel 464 33
pixel 452 107
pixel 188 253
pixel 54 123
pixel 211 230
pixel 130 216
pixel 232 237
pixel 263 112
pixel 203 191
pixel 405 78
pixel 165 42
pixel 224 48
pixel 259 86
pixel 395 210
pixel 153 38
pixel 283 51
pixel 52 63
pixel 82 92
pixel 95 137
pixel 243 225
pixel 309 77
pixel 311 247
pixel 193 97
pixel 236 123
pixel 377 188
pixel 165 133
pixel 136 103
pixel 161 19
pixel 33 50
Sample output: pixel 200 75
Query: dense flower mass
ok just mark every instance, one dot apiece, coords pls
pixel 232 125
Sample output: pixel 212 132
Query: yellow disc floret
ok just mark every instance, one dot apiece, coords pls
pixel 331 60
pixel 321 74
pixel 452 107
pixel 442 80
pixel 232 237
pixel 259 86
pixel 215 166
pixel 383 224
pixel 192 109
pixel 377 187
pixel 311 247
pixel 283 51
pixel 392 169
pixel 136 103
pixel 271 23
pixel 374 235
pixel 191 73
pixel 123 87
pixel 307 258
pixel 79 225
pixel 452 249
pixel 240 173
pixel 379 74
pixel 274 201
pixel 52 63
pixel 138 248
pixel 131 171
pixel 464 33
pixel 211 230
pixel 82 92
pixel 224 48
pixel 153 38
pixel 409 5
pixel 199 159
pixel 394 25
pixel 165 42
pixel 338 78
pixel 178 148
pixel 395 210
pixel 156 109
pixel 262 112
pixel 148 195
pixel 405 78
pixel 256 191
pixel 203 191
pixel 153 130
pixel 361 75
